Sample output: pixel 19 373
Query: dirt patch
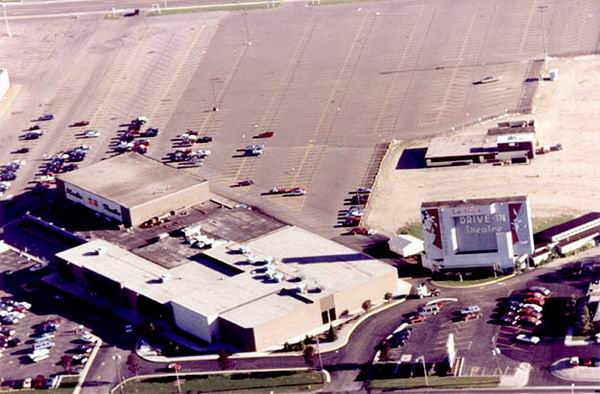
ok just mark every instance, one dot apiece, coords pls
pixel 566 182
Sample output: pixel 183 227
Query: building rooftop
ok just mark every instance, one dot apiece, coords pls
pixel 222 281
pixel 460 145
pixel 508 138
pixel 567 226
pixel 131 179
pixel 472 201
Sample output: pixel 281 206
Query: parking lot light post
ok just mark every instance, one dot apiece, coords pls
pixel 117 358
pixel 245 15
pixel 177 368
pixel 541 10
pixel 424 370
pixel 6 21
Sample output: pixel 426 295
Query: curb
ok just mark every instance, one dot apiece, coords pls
pixel 498 280
pixel 88 366
pixel 286 354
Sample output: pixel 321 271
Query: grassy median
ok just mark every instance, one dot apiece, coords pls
pixel 257 381
pixel 449 382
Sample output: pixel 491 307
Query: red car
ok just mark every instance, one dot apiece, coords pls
pixel 416 319
pixel 266 134
pixel 361 231
pixel 80 123
pixel 535 300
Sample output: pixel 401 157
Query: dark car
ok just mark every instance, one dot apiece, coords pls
pixel 8 176
pixel 151 132
pixel 80 123
pixel 34 127
pixel 266 134
pixel 22 150
pixel 32 136
pixel 45 117
pixel 14 342
pixel 204 139
pixel 135 12
pixel 360 198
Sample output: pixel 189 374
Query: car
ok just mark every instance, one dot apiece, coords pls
pixel 26 384
pixel 34 127
pixel 352 221
pixel 296 192
pixel 533 294
pixel 266 134
pixel 22 150
pixel 470 309
pixel 245 182
pixel 535 307
pixel 88 337
pixel 486 80
pixel 416 319
pixel 539 289
pixel 151 132
pixel 529 321
pixel 359 198
pixel 530 313
pixel 585 362
pixel 135 12
pixel 363 190
pixel 8 176
pixel 280 190
pixel 80 359
pixel 80 123
pixel 204 139
pixel 574 361
pixel 24 304
pixel 14 342
pixel 84 349
pixel 362 231
pixel 34 135
pixel 7 331
pixel 45 117
pixel 5 185
pixel 508 320
pixel 527 338
pixel 354 211
pixel 534 300
pixel 254 149
pixel 36 267
pixel 44 336
pixel 91 134
pixel 471 316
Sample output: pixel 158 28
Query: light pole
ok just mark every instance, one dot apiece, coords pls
pixel 320 360
pixel 541 10
pixel 6 21
pixel 177 368
pixel 214 96
pixel 245 15
pixel 424 370
pixel 117 357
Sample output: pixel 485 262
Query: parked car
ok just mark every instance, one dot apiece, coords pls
pixel 36 267
pixel 470 309
pixel 8 176
pixel 135 12
pixel 45 117
pixel 22 150
pixel 88 337
pixel 151 132
pixel 204 139
pixel 534 307
pixel 486 80
pixel 362 231
pixel 26 383
pixel 527 338
pixel 91 134
pixel 80 123
pixel 296 192
pixel 254 150
pixel 535 300
pixel 245 182
pixel 585 361
pixel 34 127
pixel 508 320
pixel 545 291
pixel 415 319
pixel 280 190
pixel 266 134
pixel 34 135
pixel 529 321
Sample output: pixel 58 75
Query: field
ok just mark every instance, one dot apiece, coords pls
pixel 335 83
pixel 560 184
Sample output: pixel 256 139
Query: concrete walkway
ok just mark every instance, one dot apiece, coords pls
pixel 519 379
pixel 563 370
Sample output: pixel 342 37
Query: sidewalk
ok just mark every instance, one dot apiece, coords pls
pixel 519 379
pixel 563 370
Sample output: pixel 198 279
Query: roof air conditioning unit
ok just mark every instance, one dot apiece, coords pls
pixel 100 251
pixel 301 287
pixel 164 278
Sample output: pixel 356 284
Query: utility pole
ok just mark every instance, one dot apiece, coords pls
pixel 542 10
pixel 6 21
pixel 177 368
pixel 214 96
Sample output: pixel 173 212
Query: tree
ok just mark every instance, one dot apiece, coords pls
pixel 147 329
pixel 224 360
pixel 384 350
pixel 584 324
pixel 331 334
pixel 66 362
pixel 309 356
pixel 388 296
pixel 132 363
pixel 366 305
pixel 39 383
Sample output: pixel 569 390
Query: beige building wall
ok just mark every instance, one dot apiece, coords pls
pixel 276 332
pixel 169 202
pixel 352 299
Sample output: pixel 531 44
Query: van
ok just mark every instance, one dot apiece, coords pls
pixel 39 358
pixel 43 345
pixel 429 310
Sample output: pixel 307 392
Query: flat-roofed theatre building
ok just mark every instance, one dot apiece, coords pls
pixel 487 232
pixel 132 188
pixel 289 282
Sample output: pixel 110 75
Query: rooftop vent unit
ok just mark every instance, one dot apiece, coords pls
pixel 164 278
pixel 243 249
pixel 301 287
pixel 99 251
pixel 252 259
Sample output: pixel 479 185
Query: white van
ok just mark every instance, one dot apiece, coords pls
pixel 39 357
pixel 427 310
pixel 43 345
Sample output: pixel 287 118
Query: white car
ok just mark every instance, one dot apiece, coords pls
pixel 203 152
pixel 92 134
pixel 18 163
pixel 5 185
pixel 470 309
pixel 16 315
pixel 534 307
pixel 542 290
pixel 36 267
pixel 87 337
pixel 296 192
pixel 24 304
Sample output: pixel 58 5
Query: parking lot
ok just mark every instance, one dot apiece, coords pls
pixel 18 283
pixel 475 339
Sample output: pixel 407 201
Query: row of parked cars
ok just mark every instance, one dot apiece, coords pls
pixel 524 309
pixel 11 313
